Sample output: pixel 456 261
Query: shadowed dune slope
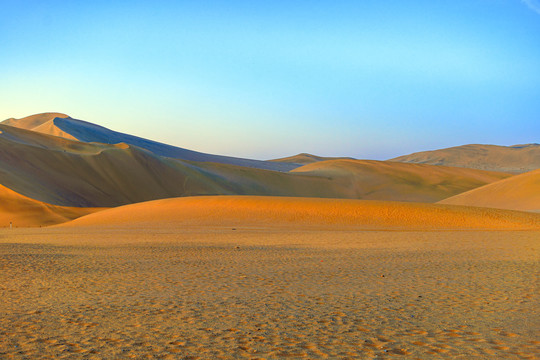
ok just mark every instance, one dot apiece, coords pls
pixel 62 125
pixel 385 180
pixel 254 211
pixel 307 159
pixel 25 212
pixel 513 159
pixel 520 192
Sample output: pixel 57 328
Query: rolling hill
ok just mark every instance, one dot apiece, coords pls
pixel 512 159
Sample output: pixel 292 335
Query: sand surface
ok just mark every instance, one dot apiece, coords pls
pixel 245 293
pixel 520 192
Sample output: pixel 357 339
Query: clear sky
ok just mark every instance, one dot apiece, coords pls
pixel 265 79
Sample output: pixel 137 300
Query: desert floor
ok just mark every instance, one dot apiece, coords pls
pixel 214 293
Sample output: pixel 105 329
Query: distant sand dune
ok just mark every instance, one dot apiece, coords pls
pixel 513 159
pixel 305 158
pixel 24 212
pixel 386 180
pixel 520 192
pixel 298 213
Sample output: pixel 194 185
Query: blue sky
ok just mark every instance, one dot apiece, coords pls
pixel 368 79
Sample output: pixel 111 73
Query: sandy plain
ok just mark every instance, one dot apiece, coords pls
pixel 116 287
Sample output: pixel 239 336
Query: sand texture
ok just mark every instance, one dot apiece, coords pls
pixel 268 293
pixel 513 159
pixel 520 192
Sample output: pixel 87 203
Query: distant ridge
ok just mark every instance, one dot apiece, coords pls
pixel 305 158
pixel 62 125
pixel 512 159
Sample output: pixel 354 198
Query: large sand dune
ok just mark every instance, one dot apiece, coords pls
pixel 520 192
pixel 24 212
pixel 65 172
pixel 385 180
pixel 513 159
pixel 62 125
pixel 301 213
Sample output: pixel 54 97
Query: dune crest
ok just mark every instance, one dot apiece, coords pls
pixel 520 192
pixel 42 123
pixel 256 211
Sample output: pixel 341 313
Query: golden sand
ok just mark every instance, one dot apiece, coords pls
pixel 267 293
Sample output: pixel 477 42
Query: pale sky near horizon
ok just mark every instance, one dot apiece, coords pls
pixel 367 79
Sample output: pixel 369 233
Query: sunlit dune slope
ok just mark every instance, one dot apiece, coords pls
pixel 514 159
pixel 520 192
pixel 42 123
pixel 254 211
pixel 385 180
pixel 305 158
pixel 62 125
pixel 24 212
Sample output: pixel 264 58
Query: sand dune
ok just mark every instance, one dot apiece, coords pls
pixel 305 159
pixel 62 125
pixel 385 180
pixel 301 213
pixel 64 172
pixel 520 192
pixel 24 212
pixel 513 159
